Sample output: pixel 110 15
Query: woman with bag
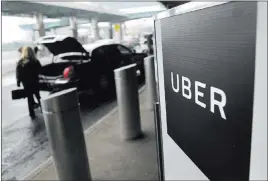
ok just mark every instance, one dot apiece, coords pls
pixel 27 72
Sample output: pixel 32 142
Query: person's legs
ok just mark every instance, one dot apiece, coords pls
pixel 36 93
pixel 30 99
pixel 30 105
pixel 37 96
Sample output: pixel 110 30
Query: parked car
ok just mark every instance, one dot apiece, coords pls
pixel 130 41
pixel 87 67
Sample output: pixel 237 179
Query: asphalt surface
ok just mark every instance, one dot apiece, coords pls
pixel 24 142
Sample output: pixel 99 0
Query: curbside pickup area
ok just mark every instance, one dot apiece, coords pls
pixel 110 157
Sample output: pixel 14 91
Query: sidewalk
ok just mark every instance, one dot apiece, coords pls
pixel 111 158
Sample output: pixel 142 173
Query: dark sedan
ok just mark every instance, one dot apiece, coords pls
pixel 87 67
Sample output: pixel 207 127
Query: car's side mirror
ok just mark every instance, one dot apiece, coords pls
pixel 133 51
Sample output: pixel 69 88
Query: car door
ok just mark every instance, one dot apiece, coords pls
pixel 102 70
pixel 129 57
pixel 125 54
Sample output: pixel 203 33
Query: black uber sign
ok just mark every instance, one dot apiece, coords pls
pixel 209 63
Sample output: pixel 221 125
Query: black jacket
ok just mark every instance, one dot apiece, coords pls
pixel 27 72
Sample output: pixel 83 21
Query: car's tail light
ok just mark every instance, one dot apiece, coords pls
pixel 68 72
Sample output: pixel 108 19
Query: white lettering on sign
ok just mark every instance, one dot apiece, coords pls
pixel 186 87
pixel 172 82
pixel 187 93
pixel 214 102
pixel 199 94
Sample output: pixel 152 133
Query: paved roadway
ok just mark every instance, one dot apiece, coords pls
pixel 25 143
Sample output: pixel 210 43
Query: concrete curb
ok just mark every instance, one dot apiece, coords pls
pixel 88 131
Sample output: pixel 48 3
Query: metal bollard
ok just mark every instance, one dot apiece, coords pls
pixel 128 102
pixel 64 128
pixel 150 80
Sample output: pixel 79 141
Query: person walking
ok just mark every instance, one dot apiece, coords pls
pixel 36 105
pixel 27 71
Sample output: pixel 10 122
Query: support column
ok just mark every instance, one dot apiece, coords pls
pixel 53 30
pixel 33 35
pixel 123 30
pixel 95 28
pixel 73 26
pixel 110 31
pixel 40 25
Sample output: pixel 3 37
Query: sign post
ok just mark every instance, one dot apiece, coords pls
pixel 117 27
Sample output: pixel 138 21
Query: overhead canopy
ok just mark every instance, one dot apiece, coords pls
pixel 172 4
pixel 65 22
pixel 134 10
pixel 62 9
pixel 50 25
pixel 125 11
pixel 128 6
pixel 133 16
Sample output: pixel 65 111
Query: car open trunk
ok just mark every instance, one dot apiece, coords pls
pixel 55 69
pixel 50 73
pixel 67 51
